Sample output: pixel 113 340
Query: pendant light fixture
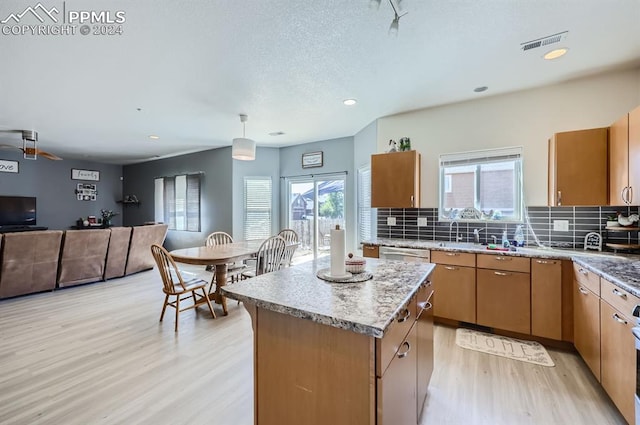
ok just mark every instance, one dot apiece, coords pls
pixel 242 148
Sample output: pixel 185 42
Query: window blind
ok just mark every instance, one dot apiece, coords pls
pixel 177 202
pixel 364 203
pixel 257 207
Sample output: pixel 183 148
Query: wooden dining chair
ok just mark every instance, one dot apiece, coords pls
pixel 269 257
pixel 233 269
pixel 291 237
pixel 175 286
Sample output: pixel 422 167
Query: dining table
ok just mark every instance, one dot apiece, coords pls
pixel 219 256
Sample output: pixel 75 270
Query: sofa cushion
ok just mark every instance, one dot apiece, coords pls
pixel 29 262
pixel 83 256
pixel 142 237
pixel 117 252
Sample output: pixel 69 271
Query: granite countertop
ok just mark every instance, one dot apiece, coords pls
pixel 622 270
pixel 366 307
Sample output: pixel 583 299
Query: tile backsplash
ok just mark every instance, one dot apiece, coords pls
pixel 539 230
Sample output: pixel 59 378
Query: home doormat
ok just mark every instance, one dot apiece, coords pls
pixel 516 349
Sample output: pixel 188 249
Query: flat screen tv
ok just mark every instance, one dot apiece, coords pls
pixel 17 211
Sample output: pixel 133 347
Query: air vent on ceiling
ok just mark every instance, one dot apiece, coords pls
pixel 545 41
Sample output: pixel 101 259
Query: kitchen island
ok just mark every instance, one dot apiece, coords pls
pixel 340 353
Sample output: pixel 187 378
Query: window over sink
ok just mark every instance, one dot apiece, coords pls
pixel 482 185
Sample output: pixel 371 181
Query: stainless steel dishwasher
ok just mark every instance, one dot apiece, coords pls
pixel 405 254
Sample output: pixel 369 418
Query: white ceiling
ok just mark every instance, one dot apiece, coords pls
pixel 193 66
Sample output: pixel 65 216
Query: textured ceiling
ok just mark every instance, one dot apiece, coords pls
pixel 193 66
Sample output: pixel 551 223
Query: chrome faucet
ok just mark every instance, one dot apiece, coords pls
pixel 457 231
pixel 476 235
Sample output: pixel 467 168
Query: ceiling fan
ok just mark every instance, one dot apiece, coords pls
pixel 29 149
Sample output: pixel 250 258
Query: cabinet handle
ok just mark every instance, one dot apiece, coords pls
pixel 428 306
pixel 450 268
pixel 620 294
pixel 369 247
pixel 619 319
pixel 502 258
pixel 622 193
pixel 452 254
pixel 501 273
pixel 583 291
pixel 559 198
pixel 404 354
pixel 545 262
pixel 407 314
pixel 411 200
pixel 630 197
pixel 583 271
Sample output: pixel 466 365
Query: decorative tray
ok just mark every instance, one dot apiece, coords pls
pixel 325 274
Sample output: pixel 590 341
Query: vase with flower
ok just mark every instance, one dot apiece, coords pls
pixel 107 215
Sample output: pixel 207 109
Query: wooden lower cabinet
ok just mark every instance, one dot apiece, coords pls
pixel 370 251
pixel 455 292
pixel 618 359
pixel 424 331
pixel 546 298
pixel 586 326
pixel 396 389
pixel 504 300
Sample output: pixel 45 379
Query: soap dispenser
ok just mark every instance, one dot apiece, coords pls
pixel 518 236
pixel 505 240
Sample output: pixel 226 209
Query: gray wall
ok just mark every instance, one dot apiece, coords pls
pixel 337 157
pixel 216 192
pixel 267 163
pixel 50 182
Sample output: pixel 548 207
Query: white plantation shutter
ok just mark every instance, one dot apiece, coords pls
pixel 364 203
pixel 177 202
pixel 257 207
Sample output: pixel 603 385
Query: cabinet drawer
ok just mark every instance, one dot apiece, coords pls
pixel 587 278
pixel 504 262
pixel 621 300
pixel 453 258
pixel 371 251
pixel 387 347
pixel 424 301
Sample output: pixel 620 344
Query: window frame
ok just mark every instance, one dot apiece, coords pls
pixel 475 159
pixel 166 201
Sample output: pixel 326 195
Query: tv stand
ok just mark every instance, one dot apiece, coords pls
pixel 10 229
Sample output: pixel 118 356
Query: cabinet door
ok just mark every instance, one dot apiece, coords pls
pixel 425 346
pixel 504 300
pixel 395 180
pixel 618 160
pixel 618 358
pixel 546 298
pixel 634 156
pixel 397 387
pixel 454 293
pixel 586 326
pixel 578 174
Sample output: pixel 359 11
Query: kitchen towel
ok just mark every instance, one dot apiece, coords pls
pixel 337 252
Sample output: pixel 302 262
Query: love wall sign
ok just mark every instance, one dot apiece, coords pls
pixel 8 166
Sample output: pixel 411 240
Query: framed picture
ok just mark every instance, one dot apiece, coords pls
pixel 91 175
pixel 7 166
pixel 312 159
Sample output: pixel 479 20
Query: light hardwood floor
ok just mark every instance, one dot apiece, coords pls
pixel 96 354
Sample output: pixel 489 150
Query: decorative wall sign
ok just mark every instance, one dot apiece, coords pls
pixel 312 159
pixel 8 166
pixel 91 175
pixel 86 192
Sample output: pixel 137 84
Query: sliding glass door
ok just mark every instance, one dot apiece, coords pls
pixel 316 205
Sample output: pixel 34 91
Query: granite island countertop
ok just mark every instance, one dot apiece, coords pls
pixel 622 270
pixel 366 307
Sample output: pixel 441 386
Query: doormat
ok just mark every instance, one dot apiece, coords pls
pixel 516 349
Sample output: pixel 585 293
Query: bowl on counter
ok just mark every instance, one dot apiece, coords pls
pixel 354 264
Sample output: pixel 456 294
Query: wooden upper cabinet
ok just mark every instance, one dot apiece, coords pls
pixel 634 156
pixel 578 168
pixel 395 180
pixel 624 160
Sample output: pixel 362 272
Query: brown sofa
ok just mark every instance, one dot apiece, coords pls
pixel 83 256
pixel 29 262
pixel 117 252
pixel 142 237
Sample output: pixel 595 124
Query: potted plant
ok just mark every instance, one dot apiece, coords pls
pixel 107 215
pixel 612 220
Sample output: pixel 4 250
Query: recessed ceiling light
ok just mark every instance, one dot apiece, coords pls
pixel 349 102
pixel 556 53
pixel 276 133
pixel 480 89
pixel 154 137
